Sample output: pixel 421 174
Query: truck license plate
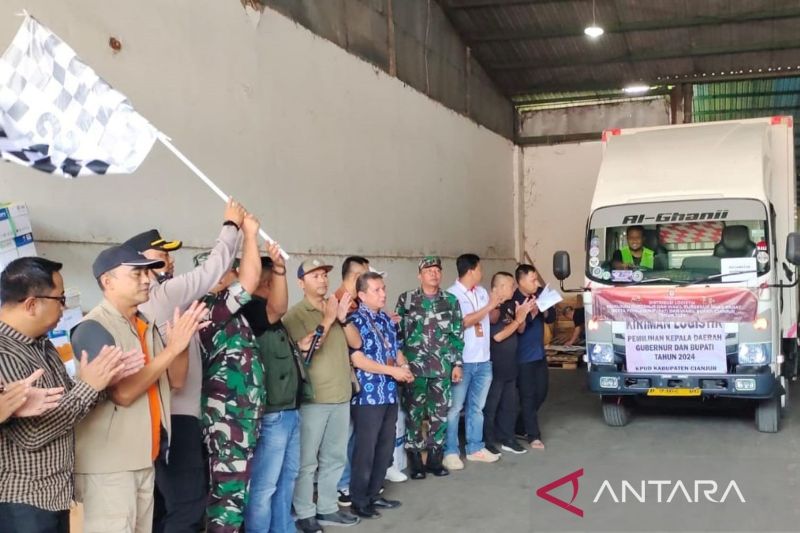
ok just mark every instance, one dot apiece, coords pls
pixel 653 391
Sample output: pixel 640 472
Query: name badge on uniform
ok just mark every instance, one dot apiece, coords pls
pixel 478 330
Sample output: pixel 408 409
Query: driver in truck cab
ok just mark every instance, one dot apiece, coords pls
pixel 635 255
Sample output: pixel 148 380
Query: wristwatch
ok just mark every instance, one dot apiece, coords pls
pixel 458 364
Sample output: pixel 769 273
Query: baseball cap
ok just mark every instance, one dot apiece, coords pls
pixel 430 261
pixel 121 255
pixel 152 240
pixel 312 264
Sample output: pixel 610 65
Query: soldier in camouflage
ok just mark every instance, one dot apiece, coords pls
pixel 431 330
pixel 233 388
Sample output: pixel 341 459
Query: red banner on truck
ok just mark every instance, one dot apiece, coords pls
pixel 684 304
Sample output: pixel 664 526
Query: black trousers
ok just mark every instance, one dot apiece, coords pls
pixel 500 411
pixel 23 518
pixel 533 380
pixel 182 479
pixel 373 433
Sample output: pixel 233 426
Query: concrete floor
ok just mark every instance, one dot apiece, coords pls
pixel 696 443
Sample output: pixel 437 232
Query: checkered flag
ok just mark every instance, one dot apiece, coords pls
pixel 58 116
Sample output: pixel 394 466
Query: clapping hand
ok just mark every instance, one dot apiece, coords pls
pixel 183 326
pixel 133 362
pixel 522 309
pixel 24 400
pixel 344 307
pixel 103 369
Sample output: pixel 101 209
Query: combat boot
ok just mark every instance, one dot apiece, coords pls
pixel 415 467
pixel 434 464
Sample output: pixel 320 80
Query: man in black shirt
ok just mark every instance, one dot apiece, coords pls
pixel 500 411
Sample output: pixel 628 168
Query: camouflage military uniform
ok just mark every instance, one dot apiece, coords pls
pixel 432 333
pixel 232 404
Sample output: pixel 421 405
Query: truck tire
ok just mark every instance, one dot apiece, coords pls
pixel 768 415
pixel 616 412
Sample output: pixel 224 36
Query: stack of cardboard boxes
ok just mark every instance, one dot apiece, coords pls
pixel 16 234
pixel 16 240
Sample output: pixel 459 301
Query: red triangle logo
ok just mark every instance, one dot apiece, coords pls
pixel 544 492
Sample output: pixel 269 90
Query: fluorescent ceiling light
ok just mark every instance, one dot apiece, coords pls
pixel 594 31
pixel 636 89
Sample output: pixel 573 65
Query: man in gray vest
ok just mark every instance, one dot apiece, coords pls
pixel 117 443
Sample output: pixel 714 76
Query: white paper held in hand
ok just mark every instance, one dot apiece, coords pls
pixel 548 298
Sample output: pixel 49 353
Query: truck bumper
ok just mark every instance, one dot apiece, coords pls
pixel 761 384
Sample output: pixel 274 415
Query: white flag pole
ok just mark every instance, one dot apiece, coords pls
pixel 211 185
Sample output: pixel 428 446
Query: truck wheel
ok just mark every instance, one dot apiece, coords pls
pixel 616 412
pixel 768 415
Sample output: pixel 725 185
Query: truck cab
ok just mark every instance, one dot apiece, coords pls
pixel 690 285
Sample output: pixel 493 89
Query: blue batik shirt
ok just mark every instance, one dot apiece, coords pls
pixel 379 342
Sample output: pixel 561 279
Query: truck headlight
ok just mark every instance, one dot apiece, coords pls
pixel 756 353
pixel 601 353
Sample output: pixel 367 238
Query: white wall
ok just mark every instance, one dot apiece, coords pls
pixel 558 187
pixel 333 155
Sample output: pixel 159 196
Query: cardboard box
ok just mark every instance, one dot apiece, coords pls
pixel 59 336
pixel 564 327
pixel 18 218
pixel 6 230
pixel 8 252
pixel 25 245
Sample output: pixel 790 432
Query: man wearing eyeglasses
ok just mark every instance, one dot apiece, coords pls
pixel 119 441
pixel 37 443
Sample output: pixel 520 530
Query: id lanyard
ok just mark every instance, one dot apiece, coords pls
pixel 478 326
pixel 374 327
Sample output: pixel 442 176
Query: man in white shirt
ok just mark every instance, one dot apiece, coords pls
pixel 476 304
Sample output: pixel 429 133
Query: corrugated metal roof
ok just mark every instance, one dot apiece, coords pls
pixel 535 46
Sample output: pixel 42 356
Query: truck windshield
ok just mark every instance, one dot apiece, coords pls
pixel 679 242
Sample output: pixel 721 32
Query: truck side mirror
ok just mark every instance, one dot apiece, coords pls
pixel 561 268
pixel 793 248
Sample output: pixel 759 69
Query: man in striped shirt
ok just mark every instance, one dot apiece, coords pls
pixel 37 454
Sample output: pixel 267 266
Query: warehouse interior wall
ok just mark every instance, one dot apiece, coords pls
pixel 558 185
pixel 332 154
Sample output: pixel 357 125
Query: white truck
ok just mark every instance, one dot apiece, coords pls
pixel 690 280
